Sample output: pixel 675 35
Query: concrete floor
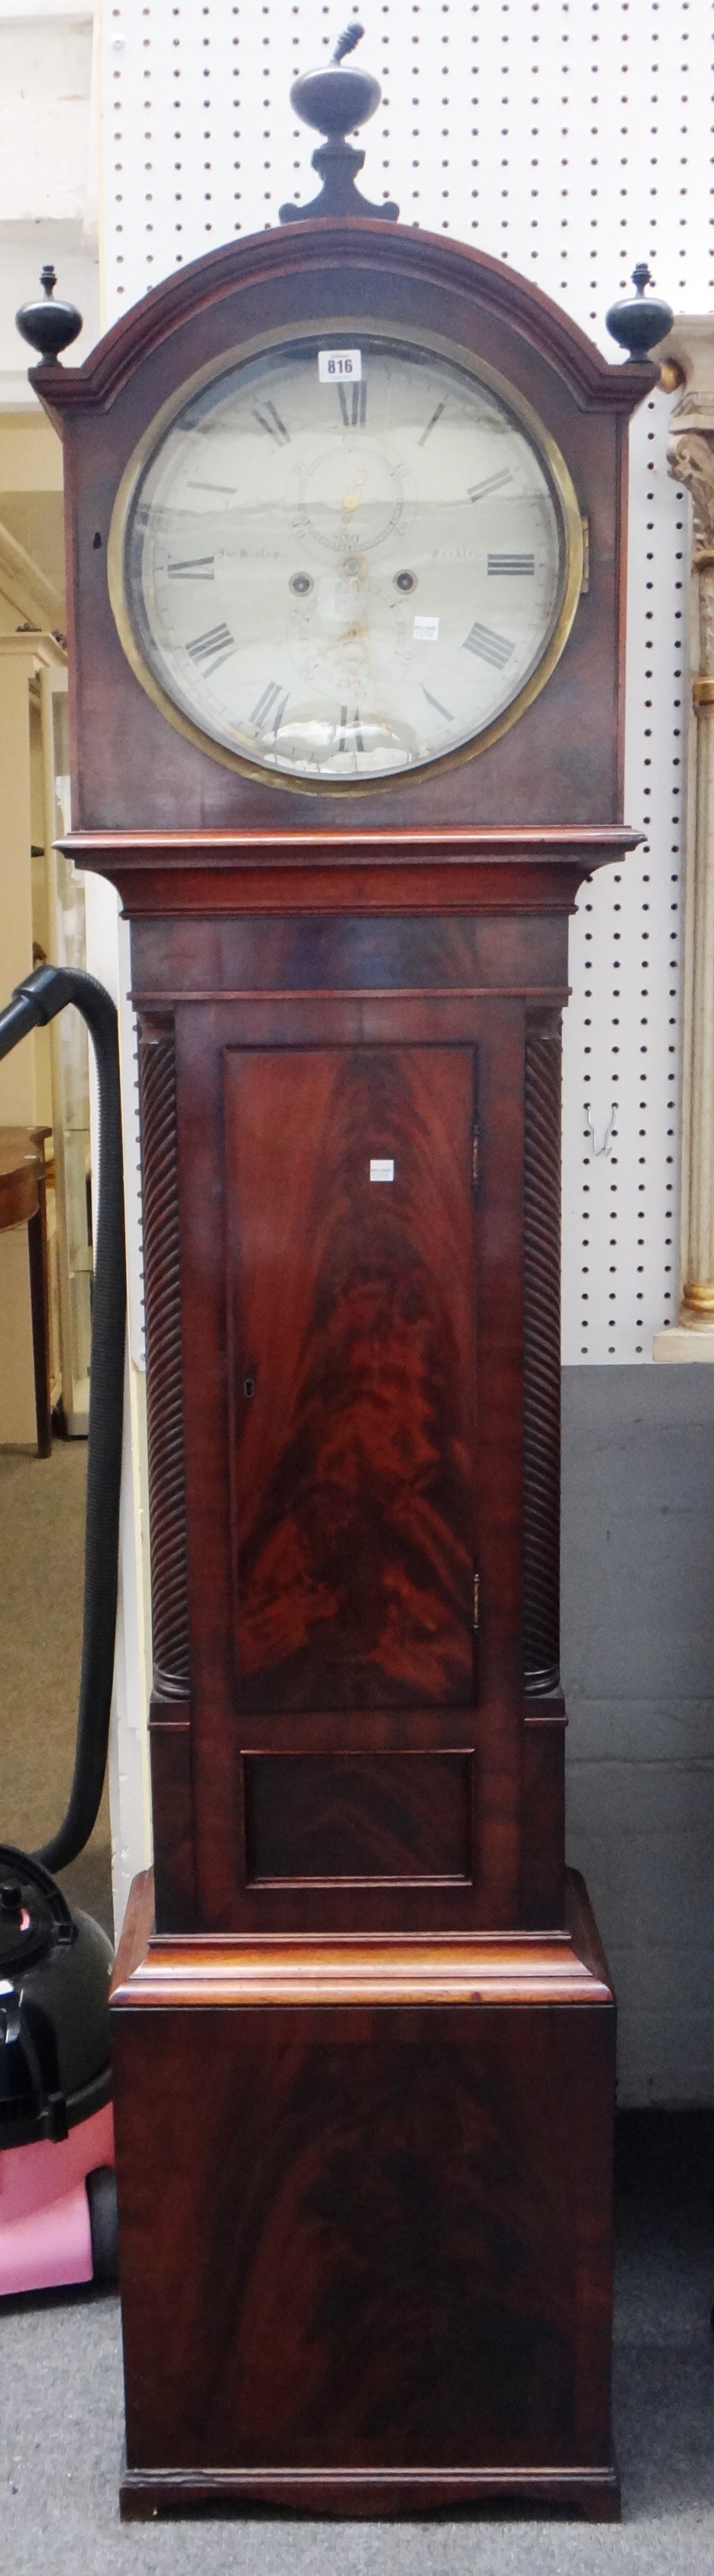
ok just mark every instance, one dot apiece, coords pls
pixel 61 2427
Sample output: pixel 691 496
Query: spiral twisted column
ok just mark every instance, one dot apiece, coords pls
pixel 541 1360
pixel 162 1307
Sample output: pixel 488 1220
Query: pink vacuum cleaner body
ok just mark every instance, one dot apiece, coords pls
pixel 45 2207
pixel 57 2193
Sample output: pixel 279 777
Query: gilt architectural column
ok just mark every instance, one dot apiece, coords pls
pixel 688 365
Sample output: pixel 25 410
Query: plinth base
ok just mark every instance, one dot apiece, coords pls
pixel 364 2196
pixel 585 2495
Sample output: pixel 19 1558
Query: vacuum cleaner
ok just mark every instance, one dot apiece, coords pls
pixel 57 2192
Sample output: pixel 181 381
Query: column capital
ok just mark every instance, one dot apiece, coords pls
pixel 687 361
pixel 690 458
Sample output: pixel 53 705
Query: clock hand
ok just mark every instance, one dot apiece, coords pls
pixel 350 504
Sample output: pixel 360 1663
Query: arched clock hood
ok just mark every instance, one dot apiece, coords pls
pixel 560 765
pixel 199 299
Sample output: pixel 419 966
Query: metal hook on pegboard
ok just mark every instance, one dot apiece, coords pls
pixel 604 1148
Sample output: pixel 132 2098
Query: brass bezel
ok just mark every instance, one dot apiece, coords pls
pixel 560 481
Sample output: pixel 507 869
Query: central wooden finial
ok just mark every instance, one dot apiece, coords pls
pixel 335 99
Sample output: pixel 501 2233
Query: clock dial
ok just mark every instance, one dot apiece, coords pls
pixel 341 565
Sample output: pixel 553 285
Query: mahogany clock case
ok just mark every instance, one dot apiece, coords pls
pixel 131 767
pixel 380 2064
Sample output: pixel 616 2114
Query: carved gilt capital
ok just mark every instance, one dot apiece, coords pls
pixel 687 354
pixel 690 457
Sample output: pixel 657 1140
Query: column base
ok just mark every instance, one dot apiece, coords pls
pixel 693 1341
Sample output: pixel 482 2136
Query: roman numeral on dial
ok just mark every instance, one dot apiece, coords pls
pixel 196 568
pixel 352 400
pixel 267 714
pixel 431 424
pixel 270 419
pixel 493 483
pixel 350 724
pixel 209 650
pixel 436 702
pixel 511 563
pixel 489 647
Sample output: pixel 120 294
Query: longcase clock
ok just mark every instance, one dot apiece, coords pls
pixel 346 531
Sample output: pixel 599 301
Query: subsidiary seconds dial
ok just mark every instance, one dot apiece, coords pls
pixel 340 563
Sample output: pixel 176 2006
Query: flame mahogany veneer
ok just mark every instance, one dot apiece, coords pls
pixel 364 2046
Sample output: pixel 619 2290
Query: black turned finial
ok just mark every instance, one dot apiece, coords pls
pixel 335 100
pixel 350 37
pixel 49 327
pixel 637 323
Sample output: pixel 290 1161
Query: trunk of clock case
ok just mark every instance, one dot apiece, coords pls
pixel 372 2151
pixel 365 2062
pixel 374 1423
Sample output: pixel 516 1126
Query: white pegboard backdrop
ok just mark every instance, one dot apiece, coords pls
pixel 571 140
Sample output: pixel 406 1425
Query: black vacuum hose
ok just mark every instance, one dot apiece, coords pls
pixel 34 1002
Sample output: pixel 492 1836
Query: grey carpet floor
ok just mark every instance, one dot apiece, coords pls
pixel 41 1574
pixel 61 2427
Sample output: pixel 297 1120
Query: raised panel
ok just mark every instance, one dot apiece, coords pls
pixel 172 1820
pixel 358 1816
pixel 352 1359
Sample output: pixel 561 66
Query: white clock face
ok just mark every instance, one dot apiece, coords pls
pixel 345 563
